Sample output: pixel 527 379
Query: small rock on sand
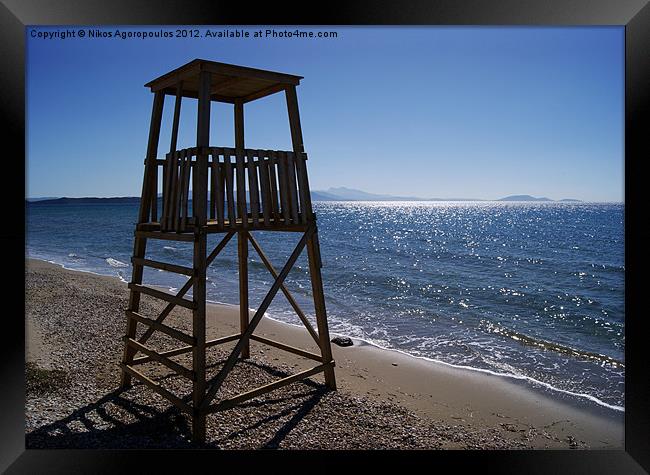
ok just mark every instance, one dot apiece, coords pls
pixel 342 341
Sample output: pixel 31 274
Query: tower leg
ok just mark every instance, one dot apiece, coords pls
pixel 242 250
pixel 313 254
pixel 198 331
pixel 139 248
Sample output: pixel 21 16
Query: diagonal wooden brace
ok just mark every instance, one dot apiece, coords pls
pixel 284 289
pixel 218 380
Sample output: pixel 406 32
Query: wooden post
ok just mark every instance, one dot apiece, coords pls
pixel 313 250
pixel 167 217
pixel 199 206
pixel 298 150
pixel 150 168
pixel 315 264
pixel 140 243
pixel 242 236
pixel 242 251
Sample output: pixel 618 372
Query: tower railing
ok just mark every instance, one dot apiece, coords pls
pixel 246 189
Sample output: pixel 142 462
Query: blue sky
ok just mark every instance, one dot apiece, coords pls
pixel 448 112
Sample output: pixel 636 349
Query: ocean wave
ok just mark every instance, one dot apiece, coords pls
pixel 547 345
pixel 115 263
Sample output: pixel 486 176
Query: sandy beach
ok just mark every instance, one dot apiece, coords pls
pixel 385 399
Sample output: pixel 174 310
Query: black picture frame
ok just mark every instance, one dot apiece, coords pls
pixel 15 15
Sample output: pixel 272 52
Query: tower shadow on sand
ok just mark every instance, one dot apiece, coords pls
pixel 118 421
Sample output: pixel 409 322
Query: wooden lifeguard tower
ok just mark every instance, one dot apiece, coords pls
pixel 235 191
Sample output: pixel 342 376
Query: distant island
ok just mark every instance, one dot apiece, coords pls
pixel 349 194
pixel 331 194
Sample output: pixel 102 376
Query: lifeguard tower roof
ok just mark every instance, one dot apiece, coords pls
pixel 230 83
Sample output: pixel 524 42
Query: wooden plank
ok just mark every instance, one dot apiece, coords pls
pixel 293 188
pixel 283 185
pixel 218 380
pixel 276 226
pixel 186 349
pixel 178 217
pixel 288 348
pixel 154 197
pixel 174 197
pixel 285 291
pixel 154 355
pixel 163 266
pixel 251 73
pixel 162 295
pixel 214 166
pixel 173 77
pixel 228 403
pixel 265 188
pixel 224 84
pixel 230 192
pixel 170 91
pixel 267 91
pixel 179 335
pixel 241 189
pixel 157 388
pixel 253 188
pixel 273 167
pixel 187 169
pixel 167 186
pixel 306 213
pixel 165 236
pixel 220 192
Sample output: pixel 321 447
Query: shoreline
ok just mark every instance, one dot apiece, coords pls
pixel 577 399
pixel 430 388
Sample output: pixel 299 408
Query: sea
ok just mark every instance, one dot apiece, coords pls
pixel 532 291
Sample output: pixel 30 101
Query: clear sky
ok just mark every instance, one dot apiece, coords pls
pixel 446 112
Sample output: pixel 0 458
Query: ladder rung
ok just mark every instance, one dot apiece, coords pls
pixel 180 369
pixel 163 266
pixel 162 295
pixel 179 335
pixel 158 388
pixel 165 236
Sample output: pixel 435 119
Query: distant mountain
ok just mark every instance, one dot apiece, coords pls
pixel 342 193
pixel 43 198
pixel 332 194
pixel 532 198
pixel 350 194
pixel 523 198
pixel 324 196
pixel 85 200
